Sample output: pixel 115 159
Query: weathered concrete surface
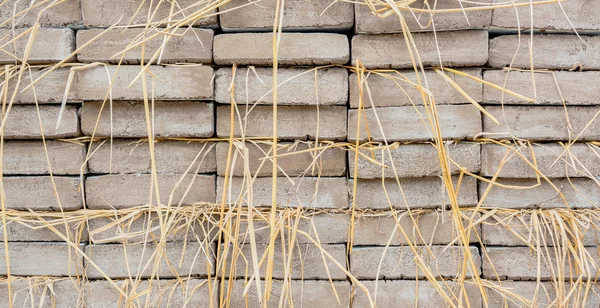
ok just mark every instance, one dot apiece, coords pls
pixel 298 15
pixel 125 156
pixel 422 192
pixel 541 294
pixel 368 22
pixel 296 86
pixel 408 123
pixel 170 83
pixel 549 159
pixel 390 50
pixel 24 122
pixel 29 157
pixel 129 190
pixel 577 193
pixel 60 14
pixel 41 259
pixel 293 122
pixel 399 262
pixel 307 262
pixel 37 193
pixel 577 88
pixel 50 45
pixel 391 89
pixel 38 232
pixel 542 123
pixel 189 45
pixel 309 192
pixel 138 260
pixel 48 90
pixel 551 51
pixel 171 119
pixel 294 49
pixel 324 162
pixel 435 228
pixel 416 160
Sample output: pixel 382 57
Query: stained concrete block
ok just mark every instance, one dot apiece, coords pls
pixel 368 22
pixel 416 160
pixel 182 82
pixel 308 192
pixel 296 86
pixel 50 45
pixel 48 90
pixel 188 45
pixel 574 88
pixel 390 89
pixel 293 122
pixel 542 123
pixel 550 51
pixel 129 190
pixel 390 50
pixel 399 262
pixel 409 123
pixel 29 157
pixel 24 122
pixel 577 193
pixel 37 193
pixel 413 193
pixel 171 119
pixel 550 159
pixel 298 15
pixel 41 259
pixel 324 162
pixel 178 259
pixel 307 262
pixel 124 156
pixel 51 15
pixel 294 49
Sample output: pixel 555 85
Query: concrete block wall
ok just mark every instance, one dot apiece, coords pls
pixel 319 105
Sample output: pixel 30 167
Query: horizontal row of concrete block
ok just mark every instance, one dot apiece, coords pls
pixel 320 15
pixel 550 51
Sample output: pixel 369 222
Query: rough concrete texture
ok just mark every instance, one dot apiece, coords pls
pixel 550 159
pixel 296 86
pixel 409 123
pixel 38 232
pixel 24 122
pixel 307 262
pixel 330 229
pixel 550 51
pixel 427 228
pixel 137 260
pixel 298 15
pixel 390 50
pixel 577 193
pixel 399 262
pixel 294 49
pixel 500 262
pixel 574 88
pixel 189 45
pixel 125 156
pixel 368 22
pixel 414 193
pixel 161 293
pixel 102 13
pixel 50 45
pixel 29 157
pixel 416 160
pixel 390 293
pixel 303 294
pixel 37 193
pixel 170 83
pixel 564 17
pixel 547 123
pixel 129 190
pixel 542 294
pixel 307 192
pixel 41 259
pixel 391 89
pixel 296 159
pixel 39 292
pixel 171 119
pixel 518 230
pixel 48 90
pixel 65 13
pixel 293 122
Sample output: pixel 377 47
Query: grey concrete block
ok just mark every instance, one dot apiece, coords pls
pixel 23 122
pixel 41 259
pixel 29 157
pixel 50 45
pixel 37 193
pixel 51 15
